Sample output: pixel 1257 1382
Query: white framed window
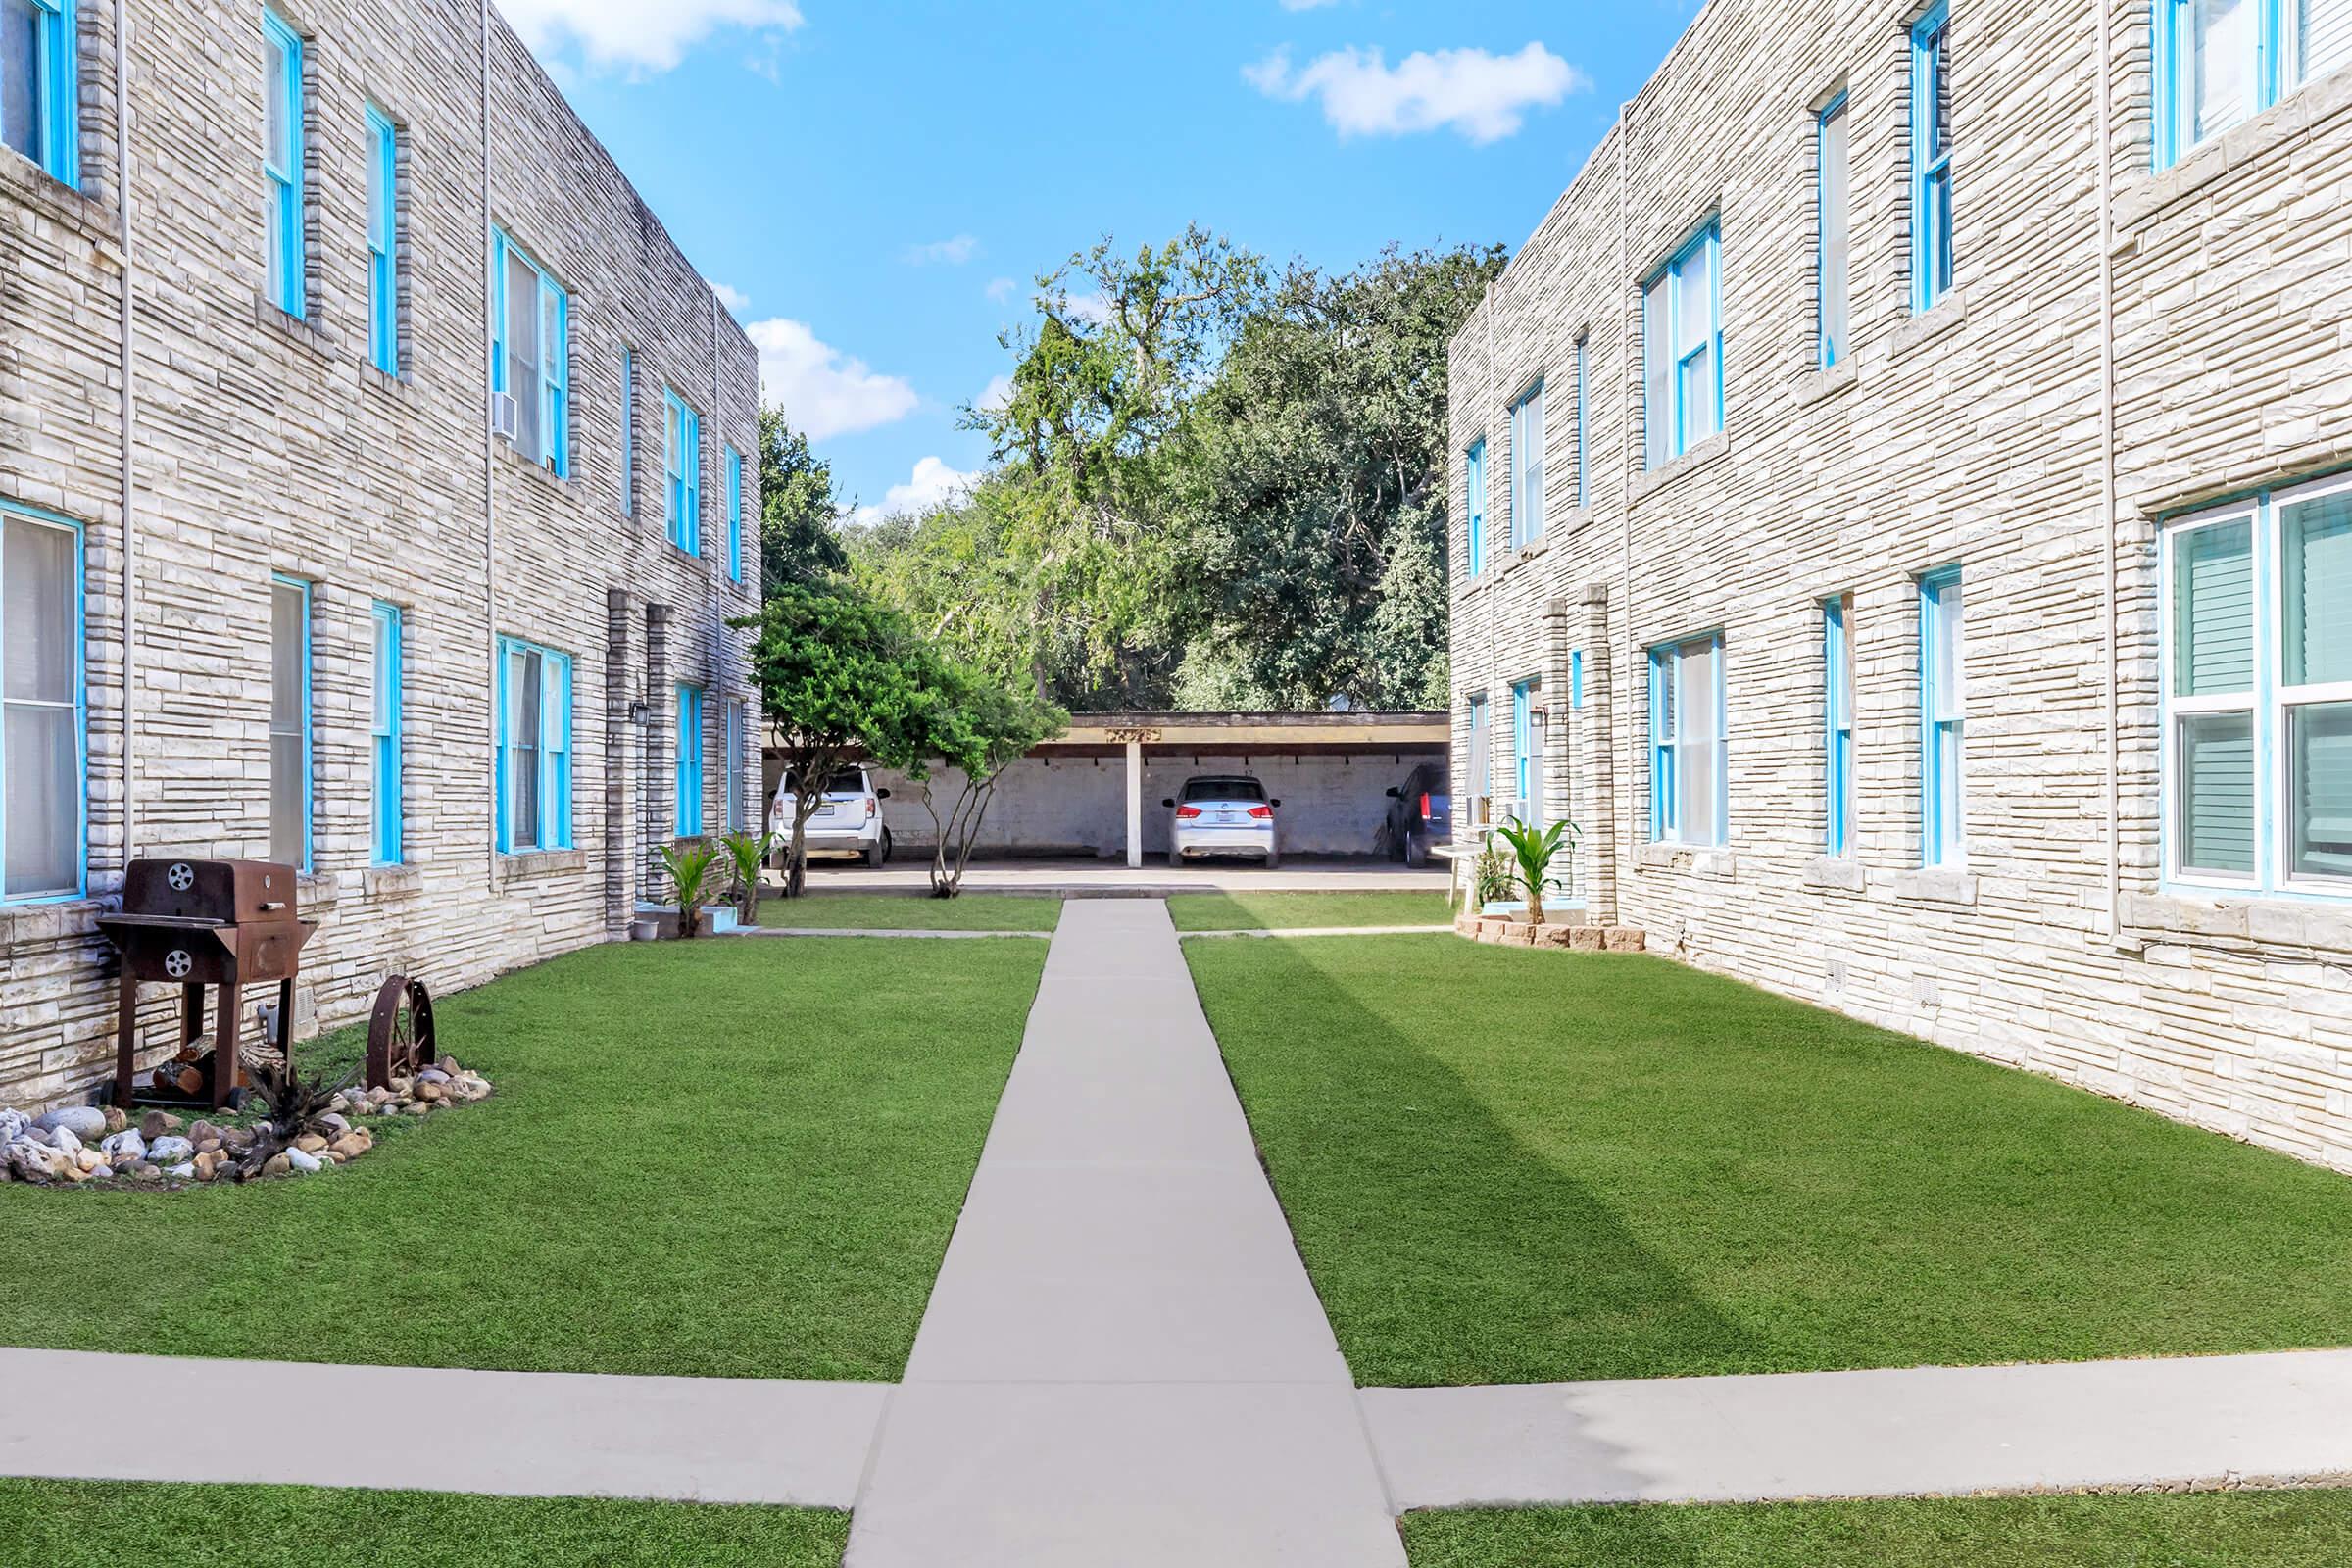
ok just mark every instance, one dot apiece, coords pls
pixel 1527 466
pixel 1682 360
pixel 43 728
pixel 682 472
pixel 1931 157
pixel 383 241
pixel 1942 720
pixel 1688 790
pixel 2257 669
pixel 1482 750
pixel 734 763
pixel 1833 235
pixel 531 361
pixel 383 735
pixel 1474 487
pixel 286 160
pixel 2219 62
pixel 690 761
pixel 40 86
pixel 1837 724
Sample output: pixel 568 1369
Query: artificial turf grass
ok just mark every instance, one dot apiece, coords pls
pixel 2148 1530
pixel 104 1523
pixel 1508 1165
pixel 728 1158
pixel 885 912
pixel 1276 912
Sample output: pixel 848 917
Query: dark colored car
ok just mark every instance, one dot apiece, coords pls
pixel 1420 814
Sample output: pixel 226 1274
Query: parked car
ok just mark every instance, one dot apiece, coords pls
pixel 1223 814
pixel 847 822
pixel 1420 814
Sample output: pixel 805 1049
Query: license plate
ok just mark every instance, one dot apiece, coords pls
pixel 1228 818
pixel 824 810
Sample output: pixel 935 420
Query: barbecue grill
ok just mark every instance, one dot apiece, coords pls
pixel 198 923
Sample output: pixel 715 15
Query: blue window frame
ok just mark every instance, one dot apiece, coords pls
pixel 1837 724
pixel 1527 466
pixel 1474 488
pixel 1833 235
pixel 690 761
pixel 1682 322
pixel 1576 678
pixel 284 160
pixel 1482 751
pixel 1931 157
pixel 290 721
pixel 383 242
pixel 2257 655
pixel 1527 752
pixel 384 738
pixel 534 748
pixel 1583 490
pixel 734 513
pixel 40 86
pixel 734 765
pixel 44 720
pixel 1688 790
pixel 628 432
pixel 2219 62
pixel 682 473
pixel 531 354
pixel 1942 712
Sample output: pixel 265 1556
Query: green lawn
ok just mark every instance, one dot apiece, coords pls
pixel 2160 1530
pixel 105 1524
pixel 708 1159
pixel 885 912
pixel 1275 912
pixel 1506 1165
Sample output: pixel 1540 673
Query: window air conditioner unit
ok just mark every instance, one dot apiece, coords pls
pixel 505 415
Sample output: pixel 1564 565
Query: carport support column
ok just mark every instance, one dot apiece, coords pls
pixel 1135 802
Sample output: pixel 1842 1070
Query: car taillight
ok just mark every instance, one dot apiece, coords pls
pixel 1185 814
pixel 1424 806
pixel 1261 811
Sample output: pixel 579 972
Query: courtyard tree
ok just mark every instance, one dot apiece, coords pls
pixel 839 672
pixel 985 727
pixel 800 512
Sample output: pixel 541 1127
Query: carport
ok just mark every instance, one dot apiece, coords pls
pixel 1097 790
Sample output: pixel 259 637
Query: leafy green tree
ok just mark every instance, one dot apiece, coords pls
pixel 839 672
pixel 986 726
pixel 800 515
pixel 1312 479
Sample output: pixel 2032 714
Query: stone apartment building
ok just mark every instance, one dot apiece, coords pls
pixel 1903 498
pixel 377 479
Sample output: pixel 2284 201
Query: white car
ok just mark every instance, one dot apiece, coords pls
pixel 1223 815
pixel 847 822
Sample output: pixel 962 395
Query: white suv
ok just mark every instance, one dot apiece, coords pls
pixel 1222 815
pixel 848 819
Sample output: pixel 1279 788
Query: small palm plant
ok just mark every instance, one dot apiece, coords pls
pixel 1533 849
pixel 690 865
pixel 1491 876
pixel 745 853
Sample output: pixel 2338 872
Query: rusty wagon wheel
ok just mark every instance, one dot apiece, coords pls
pixel 400 1032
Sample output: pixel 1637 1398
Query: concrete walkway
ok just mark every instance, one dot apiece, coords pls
pixel 1919 1430
pixel 516 1434
pixel 1123 1361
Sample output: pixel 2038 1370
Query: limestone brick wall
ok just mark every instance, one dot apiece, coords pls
pixel 262 444
pixel 1977 434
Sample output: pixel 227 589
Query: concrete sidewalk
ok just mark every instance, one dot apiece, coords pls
pixel 434 1429
pixel 1917 1431
pixel 1123 1361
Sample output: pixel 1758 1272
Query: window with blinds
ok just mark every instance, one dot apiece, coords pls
pixel 2220 62
pixel 1687 783
pixel 2257 693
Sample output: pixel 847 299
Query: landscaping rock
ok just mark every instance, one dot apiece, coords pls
pixel 199 1130
pixel 209 1165
pixel 145 1172
pixel 236 1140
pixel 351 1145
pixel 429 1092
pixel 27 1160
pixel 62 1140
pixel 115 1121
pixel 156 1123
pixel 310 1143
pixel 180 1172
pixel 335 1123
pixel 82 1121
pixel 431 1075
pixel 420 1109
pixel 302 1160
pixel 89 1160
pixel 13 1124
pixel 126 1143
pixel 104 1173
pixel 276 1165
pixel 170 1149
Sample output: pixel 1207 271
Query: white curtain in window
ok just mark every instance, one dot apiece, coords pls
pixel 2322 41
pixel 40 744
pixel 1835 271
pixel 1527 469
pixel 289 615
pixel 2220 67
pixel 523 356
pixel 1699 747
pixel 1694 344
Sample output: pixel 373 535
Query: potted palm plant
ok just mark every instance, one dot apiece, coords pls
pixel 1533 851
pixel 690 863
pixel 746 853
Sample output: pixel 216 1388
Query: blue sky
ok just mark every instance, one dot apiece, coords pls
pixel 879 181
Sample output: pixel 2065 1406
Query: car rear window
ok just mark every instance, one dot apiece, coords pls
pixel 1223 789
pixel 847 784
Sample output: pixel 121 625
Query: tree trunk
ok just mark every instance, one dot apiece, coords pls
pixel 795 861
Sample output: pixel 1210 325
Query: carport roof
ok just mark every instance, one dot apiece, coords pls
pixel 1275 731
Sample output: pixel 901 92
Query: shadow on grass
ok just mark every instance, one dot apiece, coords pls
pixel 1466 1293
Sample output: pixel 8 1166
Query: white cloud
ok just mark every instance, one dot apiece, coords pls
pixel 1000 289
pixel 733 298
pixel 952 252
pixel 825 392
pixel 931 484
pixel 994 395
pixel 650 33
pixel 1484 97
pixel 1093 309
